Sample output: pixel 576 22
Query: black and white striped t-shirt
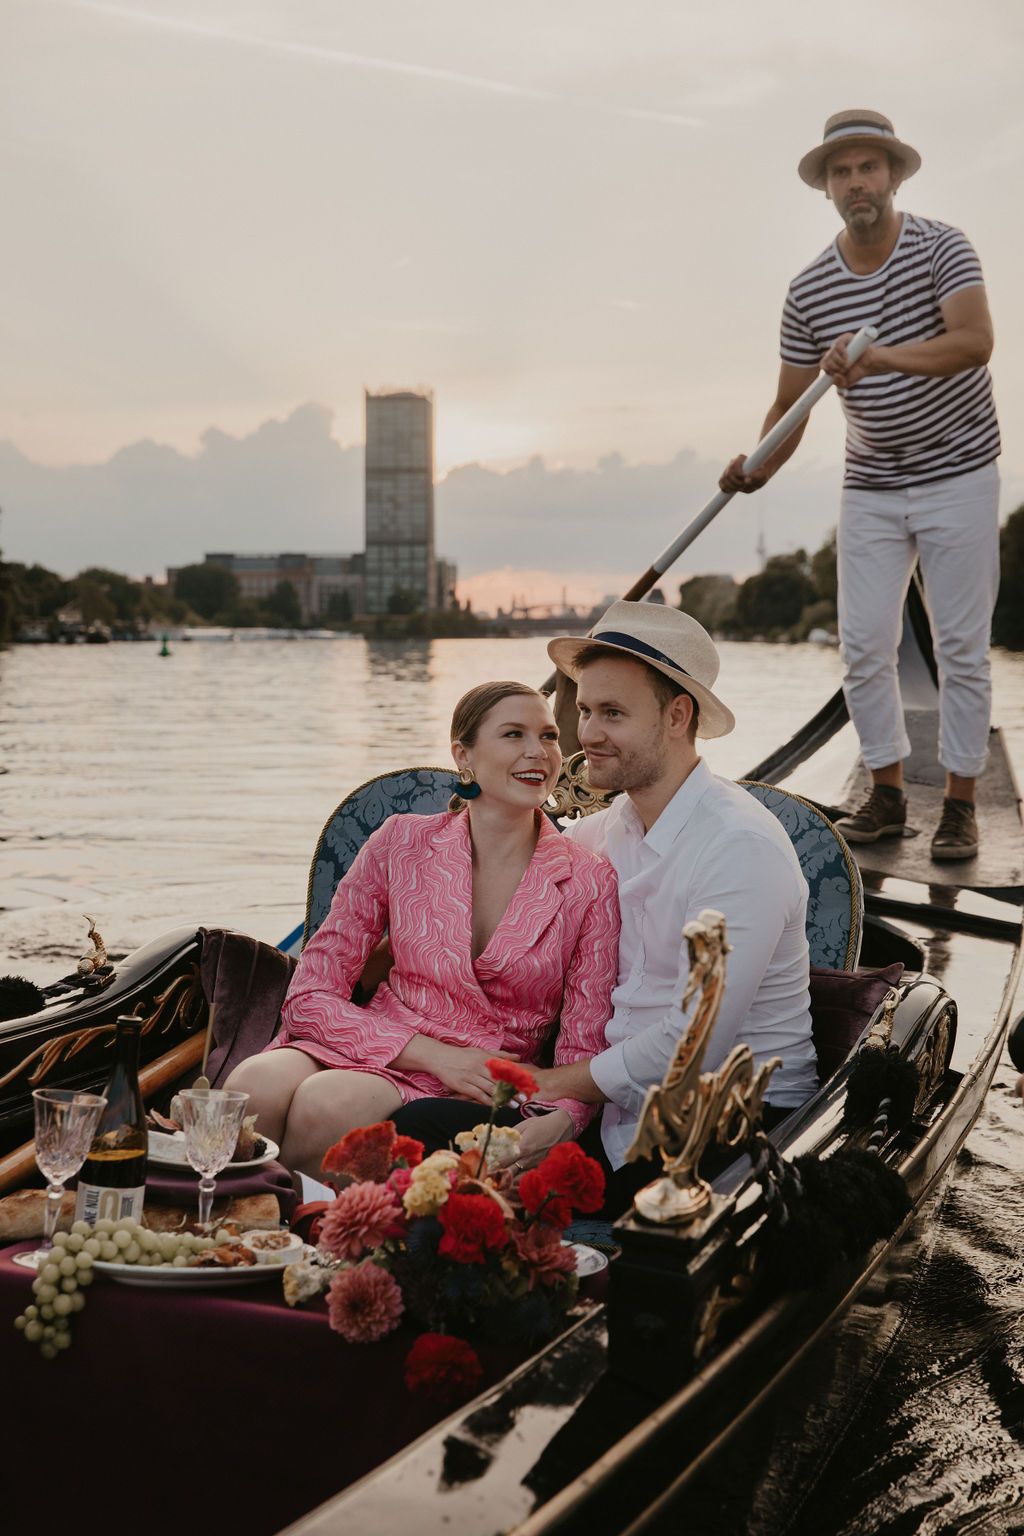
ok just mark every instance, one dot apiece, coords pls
pixel 900 429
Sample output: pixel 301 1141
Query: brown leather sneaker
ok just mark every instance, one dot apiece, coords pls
pixel 957 834
pixel 883 814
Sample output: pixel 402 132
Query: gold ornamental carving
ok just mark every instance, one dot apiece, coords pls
pixel 690 1108
pixel 724 1298
pixel 179 1005
pixel 573 796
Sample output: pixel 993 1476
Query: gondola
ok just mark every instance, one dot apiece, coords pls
pixel 607 1428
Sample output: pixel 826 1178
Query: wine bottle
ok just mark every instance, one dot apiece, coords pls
pixel 112 1182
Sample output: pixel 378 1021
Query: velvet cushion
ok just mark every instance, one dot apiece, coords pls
pixel 842 1002
pixel 247 980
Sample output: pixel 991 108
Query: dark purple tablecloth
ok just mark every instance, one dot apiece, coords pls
pixel 238 1414
pixel 169 1186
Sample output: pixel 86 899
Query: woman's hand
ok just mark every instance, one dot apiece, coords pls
pixel 461 1068
pixel 538 1134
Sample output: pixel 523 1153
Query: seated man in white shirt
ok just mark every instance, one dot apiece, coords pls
pixel 680 839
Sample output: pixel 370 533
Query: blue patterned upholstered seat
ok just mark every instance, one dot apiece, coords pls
pixel 835 906
pixel 421 791
pixel 835 910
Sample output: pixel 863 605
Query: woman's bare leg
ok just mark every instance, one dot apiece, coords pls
pixel 271 1080
pixel 324 1107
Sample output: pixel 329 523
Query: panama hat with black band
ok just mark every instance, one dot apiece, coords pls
pixel 857 126
pixel 666 639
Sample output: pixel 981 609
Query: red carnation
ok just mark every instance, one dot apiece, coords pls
pixel 574 1175
pixel 565 1181
pixel 511 1078
pixel 442 1368
pixel 365 1153
pixel 409 1148
pixel 541 1201
pixel 473 1224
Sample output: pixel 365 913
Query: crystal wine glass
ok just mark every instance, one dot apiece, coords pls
pixel 65 1126
pixel 211 1120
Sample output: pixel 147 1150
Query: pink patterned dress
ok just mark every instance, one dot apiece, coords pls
pixel 554 955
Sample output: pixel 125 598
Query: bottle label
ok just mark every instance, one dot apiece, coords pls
pixel 94 1203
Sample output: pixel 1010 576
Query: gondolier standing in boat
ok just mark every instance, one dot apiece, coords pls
pixel 921 481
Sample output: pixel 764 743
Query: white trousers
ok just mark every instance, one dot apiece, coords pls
pixel 952 527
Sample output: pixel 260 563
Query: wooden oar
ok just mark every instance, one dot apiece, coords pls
pixel 17 1165
pixel 764 450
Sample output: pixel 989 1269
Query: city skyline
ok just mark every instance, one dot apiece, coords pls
pixel 574 224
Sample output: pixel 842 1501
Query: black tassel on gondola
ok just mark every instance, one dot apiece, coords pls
pixel 877 1076
pixel 18 997
pixel 835 1208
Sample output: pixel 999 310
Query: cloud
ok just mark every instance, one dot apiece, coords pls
pixel 290 485
pixel 323 53
pixel 287 485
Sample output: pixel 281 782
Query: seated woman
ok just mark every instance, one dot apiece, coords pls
pixel 498 927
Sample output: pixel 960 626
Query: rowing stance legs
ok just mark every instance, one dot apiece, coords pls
pixel 305 1107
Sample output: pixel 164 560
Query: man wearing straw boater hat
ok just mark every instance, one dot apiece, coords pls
pixel 680 840
pixel 921 481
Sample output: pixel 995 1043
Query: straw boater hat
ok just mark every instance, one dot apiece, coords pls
pixel 856 126
pixel 664 638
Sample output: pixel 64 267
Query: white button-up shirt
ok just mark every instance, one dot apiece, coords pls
pixel 715 846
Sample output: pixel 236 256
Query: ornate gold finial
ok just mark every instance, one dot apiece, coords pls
pixel 881 1031
pixel 572 795
pixel 97 956
pixel 681 1116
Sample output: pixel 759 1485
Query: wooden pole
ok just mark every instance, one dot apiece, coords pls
pixel 168 1068
pixel 772 440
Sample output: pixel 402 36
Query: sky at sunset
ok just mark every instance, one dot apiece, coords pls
pixel 575 222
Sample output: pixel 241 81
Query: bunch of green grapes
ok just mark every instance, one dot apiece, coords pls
pixel 68 1267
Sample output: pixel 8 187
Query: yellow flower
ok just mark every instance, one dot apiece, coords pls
pixel 427 1192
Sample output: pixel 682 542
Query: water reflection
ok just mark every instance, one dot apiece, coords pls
pixel 153 791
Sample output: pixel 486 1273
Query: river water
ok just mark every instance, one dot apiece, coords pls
pixel 154 791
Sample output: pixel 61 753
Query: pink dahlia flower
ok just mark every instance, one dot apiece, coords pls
pixel 359 1219
pixel 364 1303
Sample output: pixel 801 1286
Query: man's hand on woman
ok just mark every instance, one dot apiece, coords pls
pixel 538 1134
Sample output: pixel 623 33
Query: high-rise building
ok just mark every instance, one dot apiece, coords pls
pixel 400 561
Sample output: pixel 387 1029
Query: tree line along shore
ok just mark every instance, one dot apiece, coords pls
pixel 793 598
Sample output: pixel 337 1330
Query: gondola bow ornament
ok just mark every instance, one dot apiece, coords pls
pixel 690 1108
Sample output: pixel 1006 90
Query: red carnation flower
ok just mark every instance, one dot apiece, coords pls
pixel 445 1369
pixel 409 1148
pixel 541 1201
pixel 511 1079
pixel 473 1225
pixel 365 1153
pixel 574 1175
pixel 565 1181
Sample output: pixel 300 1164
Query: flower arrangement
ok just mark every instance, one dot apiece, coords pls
pixel 449 1241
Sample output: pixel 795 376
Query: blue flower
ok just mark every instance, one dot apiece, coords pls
pixel 423 1238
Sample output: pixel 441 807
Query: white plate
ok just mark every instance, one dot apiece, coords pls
pixel 589 1261
pixel 168 1151
pixel 156 1277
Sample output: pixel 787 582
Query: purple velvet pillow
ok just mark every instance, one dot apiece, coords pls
pixel 247 980
pixel 842 1002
